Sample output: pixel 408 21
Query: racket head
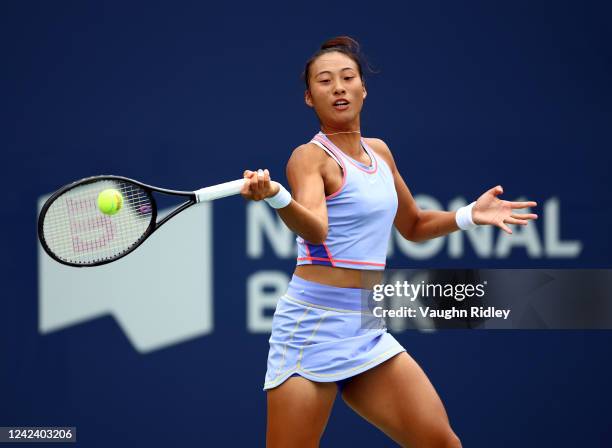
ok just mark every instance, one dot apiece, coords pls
pixel 73 231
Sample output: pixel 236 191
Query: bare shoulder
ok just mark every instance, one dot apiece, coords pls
pixel 308 153
pixel 381 149
pixel 306 158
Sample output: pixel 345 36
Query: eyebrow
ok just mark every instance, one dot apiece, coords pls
pixel 327 71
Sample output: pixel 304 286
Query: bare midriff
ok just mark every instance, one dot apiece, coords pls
pixel 340 277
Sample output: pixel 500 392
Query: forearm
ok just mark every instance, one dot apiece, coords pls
pixel 432 224
pixel 304 222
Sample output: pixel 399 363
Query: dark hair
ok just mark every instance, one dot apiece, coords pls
pixel 343 44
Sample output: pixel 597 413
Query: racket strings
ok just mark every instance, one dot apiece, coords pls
pixel 76 231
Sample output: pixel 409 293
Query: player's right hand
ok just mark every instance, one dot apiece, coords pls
pixel 259 185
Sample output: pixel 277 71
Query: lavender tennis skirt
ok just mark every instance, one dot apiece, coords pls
pixel 326 334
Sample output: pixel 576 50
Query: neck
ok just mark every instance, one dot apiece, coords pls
pixel 348 139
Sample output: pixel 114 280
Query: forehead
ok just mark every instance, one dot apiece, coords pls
pixel 333 62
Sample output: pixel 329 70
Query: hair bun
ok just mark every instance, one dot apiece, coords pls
pixel 342 41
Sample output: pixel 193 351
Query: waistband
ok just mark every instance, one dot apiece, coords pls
pixel 326 296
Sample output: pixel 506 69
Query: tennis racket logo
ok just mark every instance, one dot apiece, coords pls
pixel 94 231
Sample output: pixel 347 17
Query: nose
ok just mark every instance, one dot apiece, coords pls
pixel 339 88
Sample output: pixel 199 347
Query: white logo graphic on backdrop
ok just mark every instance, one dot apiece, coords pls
pixel 160 294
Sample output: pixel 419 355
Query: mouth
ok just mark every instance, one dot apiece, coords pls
pixel 341 104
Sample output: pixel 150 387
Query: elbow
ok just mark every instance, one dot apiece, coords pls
pixel 316 241
pixel 411 236
pixel 410 232
pixel 317 236
pixel 415 238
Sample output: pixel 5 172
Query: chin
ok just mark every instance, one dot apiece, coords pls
pixel 344 120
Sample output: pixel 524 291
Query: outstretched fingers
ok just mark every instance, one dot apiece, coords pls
pixel 521 219
pixel 524 216
pixel 504 227
pixel 510 220
pixel 525 204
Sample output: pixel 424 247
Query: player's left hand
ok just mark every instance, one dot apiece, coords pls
pixel 489 209
pixel 259 185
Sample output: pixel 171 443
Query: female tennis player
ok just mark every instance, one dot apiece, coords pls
pixel 346 195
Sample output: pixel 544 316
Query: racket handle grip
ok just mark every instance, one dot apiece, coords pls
pixel 219 191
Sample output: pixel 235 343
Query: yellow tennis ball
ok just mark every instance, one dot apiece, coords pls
pixel 110 201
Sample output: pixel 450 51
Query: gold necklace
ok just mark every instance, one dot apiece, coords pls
pixel 342 132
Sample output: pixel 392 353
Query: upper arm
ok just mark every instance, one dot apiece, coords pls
pixel 407 209
pixel 304 173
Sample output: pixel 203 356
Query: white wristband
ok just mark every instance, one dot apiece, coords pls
pixel 464 217
pixel 281 199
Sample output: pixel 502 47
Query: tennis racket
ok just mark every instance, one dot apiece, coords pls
pixel 75 232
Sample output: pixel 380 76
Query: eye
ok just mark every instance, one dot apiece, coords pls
pixel 324 80
pixel 348 77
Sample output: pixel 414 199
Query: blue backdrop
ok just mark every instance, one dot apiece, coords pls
pixel 187 94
